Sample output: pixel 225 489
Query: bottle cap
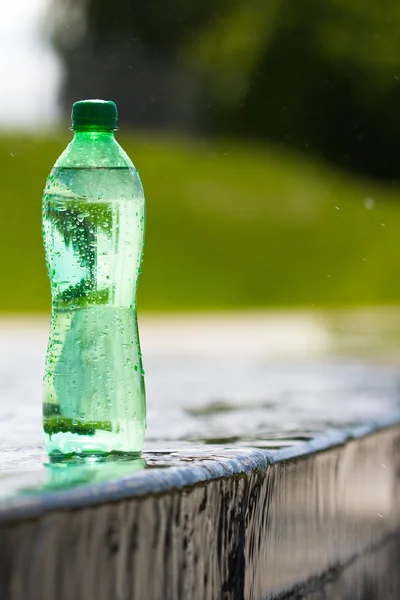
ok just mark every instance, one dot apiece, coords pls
pixel 102 114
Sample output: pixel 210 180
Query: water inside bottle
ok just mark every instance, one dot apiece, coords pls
pixel 94 398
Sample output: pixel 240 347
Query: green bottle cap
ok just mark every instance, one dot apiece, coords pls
pixel 102 114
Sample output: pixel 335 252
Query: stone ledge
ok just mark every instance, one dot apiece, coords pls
pixel 238 523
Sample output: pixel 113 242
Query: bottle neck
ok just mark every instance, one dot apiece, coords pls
pixel 93 134
pixel 92 148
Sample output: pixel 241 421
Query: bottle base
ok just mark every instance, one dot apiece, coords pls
pixel 127 440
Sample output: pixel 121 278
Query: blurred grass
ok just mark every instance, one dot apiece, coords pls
pixel 228 226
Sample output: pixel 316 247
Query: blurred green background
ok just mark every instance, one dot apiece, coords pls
pixel 266 135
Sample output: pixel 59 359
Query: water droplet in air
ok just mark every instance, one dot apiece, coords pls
pixel 369 203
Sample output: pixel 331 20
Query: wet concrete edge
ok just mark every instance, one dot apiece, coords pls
pixel 231 463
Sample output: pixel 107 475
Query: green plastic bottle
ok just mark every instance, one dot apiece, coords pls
pixel 93 228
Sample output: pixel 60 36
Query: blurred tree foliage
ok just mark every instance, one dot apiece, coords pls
pixel 160 27
pixel 318 75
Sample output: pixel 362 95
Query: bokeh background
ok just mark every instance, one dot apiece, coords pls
pixel 267 136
